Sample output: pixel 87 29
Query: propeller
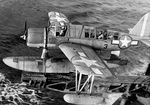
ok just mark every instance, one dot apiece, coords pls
pixel 25 32
pixel 44 51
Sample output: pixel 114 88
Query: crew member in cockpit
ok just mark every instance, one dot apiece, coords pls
pixel 103 35
pixel 63 29
pixel 57 23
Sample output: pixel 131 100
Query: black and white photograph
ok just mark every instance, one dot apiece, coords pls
pixel 74 52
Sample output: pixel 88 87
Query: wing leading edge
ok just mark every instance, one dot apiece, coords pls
pixel 86 60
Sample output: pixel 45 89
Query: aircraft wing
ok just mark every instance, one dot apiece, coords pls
pixel 86 60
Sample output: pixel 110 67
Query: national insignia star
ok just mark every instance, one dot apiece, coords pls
pixel 125 42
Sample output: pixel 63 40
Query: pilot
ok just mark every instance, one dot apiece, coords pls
pixel 58 28
pixel 63 29
pixel 105 35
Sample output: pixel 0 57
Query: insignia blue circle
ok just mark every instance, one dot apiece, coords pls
pixel 125 41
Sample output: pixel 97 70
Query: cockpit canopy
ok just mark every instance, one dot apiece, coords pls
pixel 58 23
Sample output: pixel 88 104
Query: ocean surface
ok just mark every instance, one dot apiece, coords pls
pixel 112 14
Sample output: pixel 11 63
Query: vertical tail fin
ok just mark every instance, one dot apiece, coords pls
pixel 142 28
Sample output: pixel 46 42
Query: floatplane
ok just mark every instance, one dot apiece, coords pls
pixel 91 53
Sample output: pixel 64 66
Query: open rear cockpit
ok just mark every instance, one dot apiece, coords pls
pixel 81 31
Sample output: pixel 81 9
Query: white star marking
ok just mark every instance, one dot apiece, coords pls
pixel 125 42
pixel 88 62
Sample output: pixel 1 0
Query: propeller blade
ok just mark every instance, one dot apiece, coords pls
pixel 45 52
pixel 25 33
pixel 44 66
